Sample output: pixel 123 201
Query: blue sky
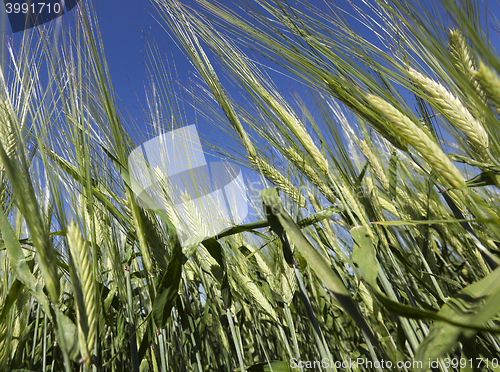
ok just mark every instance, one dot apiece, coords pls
pixel 123 28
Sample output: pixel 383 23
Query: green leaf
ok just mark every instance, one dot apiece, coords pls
pixel 28 205
pixel 364 255
pixel 279 216
pixel 146 339
pixel 473 305
pixel 217 252
pixel 67 336
pixel 281 222
pixel 361 176
pixel 100 194
pixel 487 178
pixel 193 242
pixel 475 163
pixel 276 366
pixel 242 228
pixel 17 260
pixel 432 222
pixel 167 291
pixel 14 291
pixel 227 298
pixel 318 217
pixel 147 199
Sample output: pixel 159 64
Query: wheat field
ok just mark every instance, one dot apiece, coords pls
pixel 376 242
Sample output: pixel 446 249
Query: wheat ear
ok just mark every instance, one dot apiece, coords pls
pixel 490 82
pixel 83 265
pixel 311 174
pixel 453 109
pixel 279 180
pixel 374 164
pixel 420 141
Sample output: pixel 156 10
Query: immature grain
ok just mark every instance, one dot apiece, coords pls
pixel 374 164
pixel 7 135
pixel 453 109
pixel 490 82
pixel 288 282
pixel 462 59
pixel 366 296
pixel 243 281
pixel 417 138
pixel 296 127
pixel 4 343
pixel 311 174
pixel 196 224
pixel 353 204
pixel 261 263
pixel 272 174
pixel 389 207
pixel 83 265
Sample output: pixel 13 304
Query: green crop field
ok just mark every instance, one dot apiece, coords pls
pixel 378 242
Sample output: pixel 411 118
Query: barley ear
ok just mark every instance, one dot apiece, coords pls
pixel 7 135
pixel 453 109
pixel 255 293
pixel 293 123
pixel 490 83
pixel 273 175
pixel 312 175
pixel 420 141
pixel 4 343
pixel 375 165
pixel 84 284
pixel 461 55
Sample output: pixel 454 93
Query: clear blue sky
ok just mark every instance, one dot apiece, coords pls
pixel 123 28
